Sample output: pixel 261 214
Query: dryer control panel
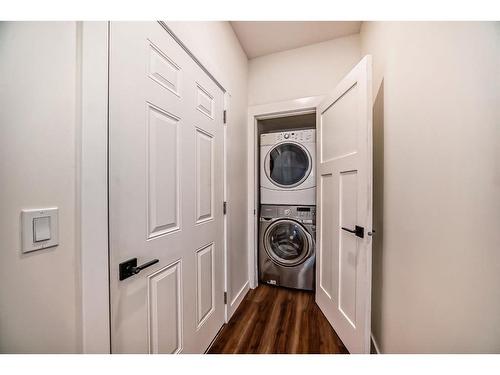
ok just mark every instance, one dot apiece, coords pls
pixel 302 136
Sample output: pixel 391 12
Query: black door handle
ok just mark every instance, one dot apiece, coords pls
pixel 358 231
pixel 130 268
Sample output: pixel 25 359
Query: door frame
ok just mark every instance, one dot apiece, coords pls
pixel 92 181
pixel 255 113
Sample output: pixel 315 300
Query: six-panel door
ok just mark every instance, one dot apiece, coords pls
pixel 165 194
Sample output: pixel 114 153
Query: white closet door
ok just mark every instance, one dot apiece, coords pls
pixel 344 199
pixel 165 194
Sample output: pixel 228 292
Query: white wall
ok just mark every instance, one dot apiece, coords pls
pixel 437 186
pixel 307 71
pixel 437 175
pixel 39 291
pixel 216 46
pixel 39 167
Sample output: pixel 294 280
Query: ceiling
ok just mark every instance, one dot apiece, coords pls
pixel 260 38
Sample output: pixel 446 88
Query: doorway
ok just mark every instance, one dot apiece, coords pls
pixel 293 114
pixel 344 200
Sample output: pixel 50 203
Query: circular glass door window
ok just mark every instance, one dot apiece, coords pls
pixel 287 243
pixel 289 165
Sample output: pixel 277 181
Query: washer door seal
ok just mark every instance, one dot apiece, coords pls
pixel 287 242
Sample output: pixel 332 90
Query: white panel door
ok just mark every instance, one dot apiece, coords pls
pixel 165 194
pixel 344 217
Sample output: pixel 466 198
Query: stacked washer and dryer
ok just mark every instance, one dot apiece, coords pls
pixel 288 212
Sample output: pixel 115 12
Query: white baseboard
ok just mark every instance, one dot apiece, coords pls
pixel 237 299
pixel 375 345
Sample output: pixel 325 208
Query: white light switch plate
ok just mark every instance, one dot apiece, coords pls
pixel 50 231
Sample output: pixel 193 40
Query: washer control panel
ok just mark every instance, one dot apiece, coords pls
pixel 301 213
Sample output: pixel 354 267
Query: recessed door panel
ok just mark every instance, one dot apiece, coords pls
pixel 349 199
pixel 165 310
pixel 205 101
pixel 163 69
pixel 348 245
pixel 205 282
pixel 204 176
pixel 163 172
pixel 348 274
pixel 339 127
pixel 328 251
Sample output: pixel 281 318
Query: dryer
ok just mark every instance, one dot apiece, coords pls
pixel 287 246
pixel 287 167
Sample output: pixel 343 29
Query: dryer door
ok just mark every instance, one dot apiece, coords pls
pixel 288 164
pixel 287 242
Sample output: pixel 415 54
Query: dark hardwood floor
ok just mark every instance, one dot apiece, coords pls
pixel 277 320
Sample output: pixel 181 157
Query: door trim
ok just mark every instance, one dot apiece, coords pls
pixel 225 123
pixel 191 54
pixel 259 112
pixel 92 181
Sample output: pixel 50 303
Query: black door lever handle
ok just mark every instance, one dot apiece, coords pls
pixel 348 230
pixel 145 265
pixel 358 231
pixel 130 268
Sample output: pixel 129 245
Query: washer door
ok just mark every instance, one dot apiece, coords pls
pixel 288 165
pixel 287 242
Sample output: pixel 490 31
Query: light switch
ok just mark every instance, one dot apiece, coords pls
pixel 41 228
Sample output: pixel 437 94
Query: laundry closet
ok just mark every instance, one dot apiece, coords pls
pixel 310 214
pixel 287 200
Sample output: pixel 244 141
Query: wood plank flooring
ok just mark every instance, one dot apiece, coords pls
pixel 277 320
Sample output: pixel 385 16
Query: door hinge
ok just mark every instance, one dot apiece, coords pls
pixel 224 208
pixel 224 116
pixel 225 298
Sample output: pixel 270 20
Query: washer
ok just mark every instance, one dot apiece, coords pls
pixel 287 246
pixel 287 167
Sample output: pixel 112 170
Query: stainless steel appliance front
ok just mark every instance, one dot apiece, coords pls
pixel 287 246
